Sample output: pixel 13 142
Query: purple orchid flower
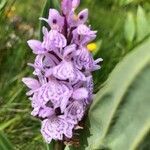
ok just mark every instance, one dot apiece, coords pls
pixel 55 128
pixel 62 89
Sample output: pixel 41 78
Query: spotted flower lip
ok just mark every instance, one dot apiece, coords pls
pixel 62 87
pixel 53 40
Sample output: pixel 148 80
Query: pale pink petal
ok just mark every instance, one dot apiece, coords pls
pixel 66 6
pixel 68 50
pixel 55 20
pixel 75 3
pixel 83 16
pixel 36 46
pixel 80 93
pixel 46 131
pixel 64 71
pixel 31 83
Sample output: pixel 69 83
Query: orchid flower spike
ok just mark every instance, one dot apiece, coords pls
pixel 62 87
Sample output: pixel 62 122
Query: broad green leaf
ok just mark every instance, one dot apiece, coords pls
pixel 119 117
pixel 129 29
pixel 134 120
pixel 5 144
pixel 143 27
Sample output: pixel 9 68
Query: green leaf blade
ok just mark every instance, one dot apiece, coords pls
pixel 109 99
pixel 133 122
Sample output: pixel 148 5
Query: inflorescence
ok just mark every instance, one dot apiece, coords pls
pixel 62 88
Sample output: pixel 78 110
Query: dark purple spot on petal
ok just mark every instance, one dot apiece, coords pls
pixel 54 21
pixel 81 17
pixel 58 111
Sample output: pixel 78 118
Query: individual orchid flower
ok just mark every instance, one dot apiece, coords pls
pixel 82 35
pixel 84 60
pixel 55 20
pixel 61 90
pixel 74 112
pixel 55 128
pixel 76 20
pixel 53 40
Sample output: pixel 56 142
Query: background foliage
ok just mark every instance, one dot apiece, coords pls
pixel 119 118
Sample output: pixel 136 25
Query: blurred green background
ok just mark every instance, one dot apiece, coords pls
pixel 121 25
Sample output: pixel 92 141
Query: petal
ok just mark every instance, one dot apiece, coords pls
pixel 72 19
pixel 38 65
pixel 83 35
pixel 69 5
pixel 49 72
pixel 60 41
pixel 53 128
pixel 31 83
pixel 55 20
pixel 50 61
pixel 66 6
pixel 64 71
pixel 68 50
pixel 39 61
pixel 45 130
pixel 56 39
pixel 87 39
pixel 80 93
pixel 89 86
pixel 96 66
pixel 46 112
pixel 35 111
pixel 84 60
pixel 46 42
pixel 83 16
pixel 42 80
pixel 75 3
pixel 79 76
pixel 68 130
pixel 56 92
pixel 74 111
pixel 64 103
pixel 36 46
pixel 83 30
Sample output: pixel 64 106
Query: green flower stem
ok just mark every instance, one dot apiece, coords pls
pixel 59 145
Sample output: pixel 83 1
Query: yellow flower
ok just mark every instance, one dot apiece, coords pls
pixel 92 47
